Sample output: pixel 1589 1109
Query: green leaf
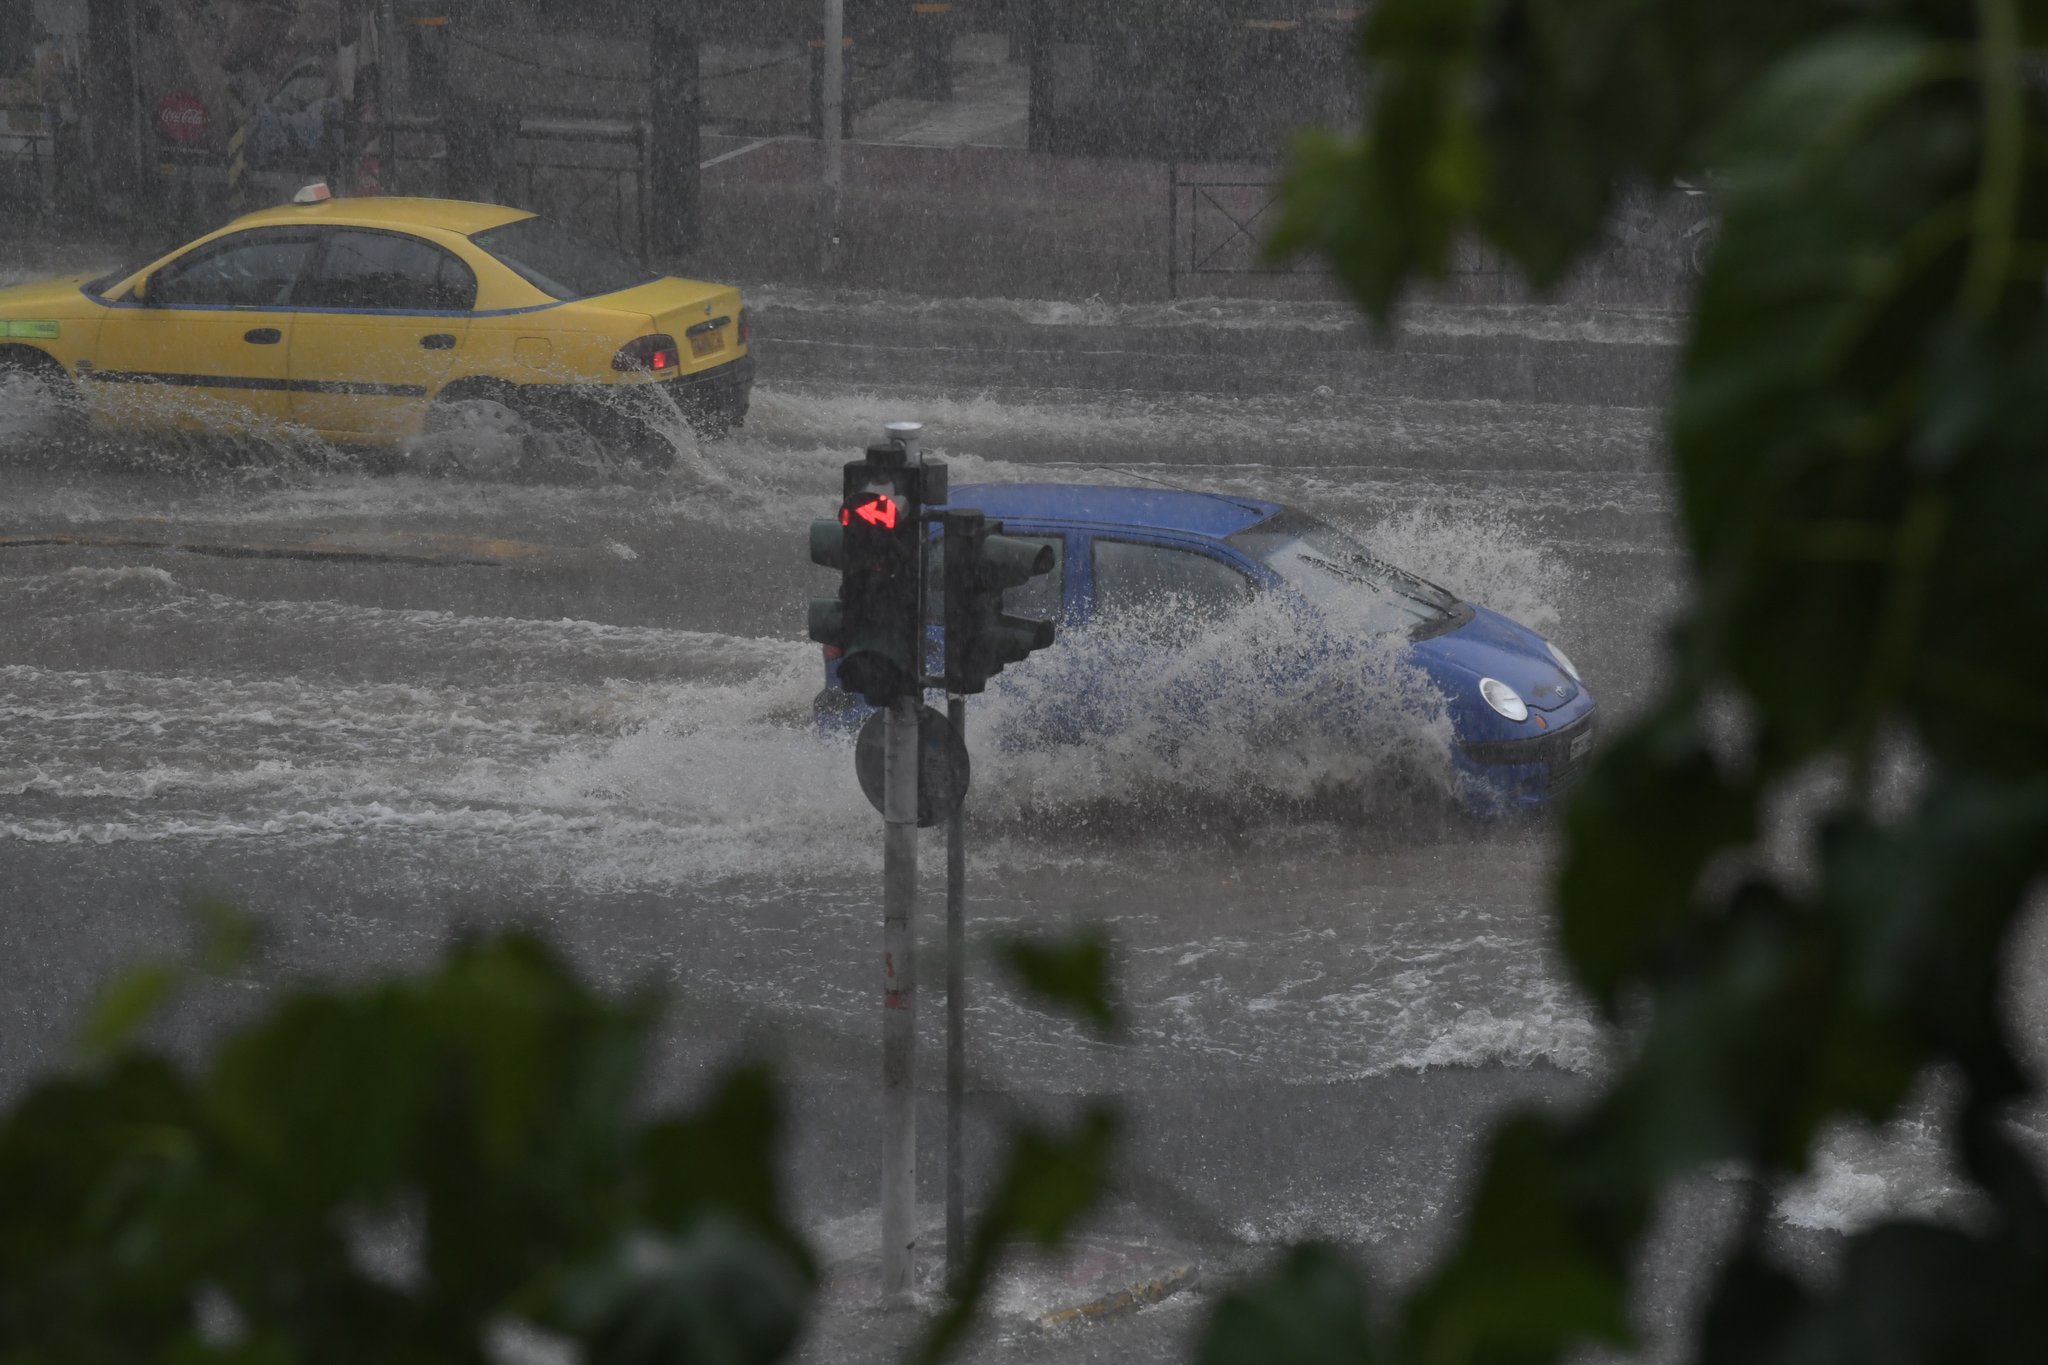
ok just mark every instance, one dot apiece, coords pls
pixel 1541 1268
pixel 1735 1065
pixel 716 1294
pixel 1050 1181
pixel 1840 249
pixel 1926 908
pixel 1654 809
pixel 230 937
pixel 1310 1309
pixel 1974 690
pixel 1755 1315
pixel 1917 1292
pixel 721 1159
pixel 129 1004
pixel 1071 973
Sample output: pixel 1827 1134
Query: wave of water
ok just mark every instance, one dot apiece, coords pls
pixel 1541 322
pixel 1038 426
pixel 1175 705
pixel 28 409
pixel 598 756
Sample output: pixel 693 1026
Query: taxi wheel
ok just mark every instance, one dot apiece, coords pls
pixel 719 418
pixel 22 368
pixel 650 450
pixel 478 433
pixel 713 426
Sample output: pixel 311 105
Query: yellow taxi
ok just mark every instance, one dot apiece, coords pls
pixel 373 321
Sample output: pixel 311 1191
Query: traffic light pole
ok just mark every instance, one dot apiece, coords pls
pixel 899 998
pixel 875 627
pixel 956 1016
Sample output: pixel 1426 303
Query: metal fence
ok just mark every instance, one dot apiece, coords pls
pixel 1216 225
pixel 26 148
pixel 1651 250
pixel 590 175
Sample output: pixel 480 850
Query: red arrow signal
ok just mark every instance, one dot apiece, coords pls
pixel 878 511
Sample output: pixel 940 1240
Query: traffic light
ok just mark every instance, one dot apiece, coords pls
pixel 981 565
pixel 877 543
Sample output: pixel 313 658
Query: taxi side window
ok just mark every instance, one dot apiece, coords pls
pixel 380 270
pixel 248 270
pixel 1134 577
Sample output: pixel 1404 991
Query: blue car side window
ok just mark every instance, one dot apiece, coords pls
pixel 1131 576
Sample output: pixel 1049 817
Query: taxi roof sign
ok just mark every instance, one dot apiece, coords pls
pixel 315 193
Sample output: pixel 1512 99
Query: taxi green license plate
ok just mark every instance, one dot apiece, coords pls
pixel 708 343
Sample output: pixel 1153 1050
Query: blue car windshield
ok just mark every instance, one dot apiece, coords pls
pixel 1331 571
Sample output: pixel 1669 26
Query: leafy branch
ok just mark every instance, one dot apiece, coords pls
pixel 1864 503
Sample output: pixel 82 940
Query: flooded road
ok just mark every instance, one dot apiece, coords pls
pixel 375 708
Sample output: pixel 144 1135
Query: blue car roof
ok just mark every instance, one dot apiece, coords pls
pixel 1160 509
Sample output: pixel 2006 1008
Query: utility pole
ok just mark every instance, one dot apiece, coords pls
pixel 956 1017
pixel 832 78
pixel 899 1000
pixel 1038 53
pixel 113 101
pixel 675 100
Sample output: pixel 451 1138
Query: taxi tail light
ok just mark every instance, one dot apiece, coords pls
pixel 746 328
pixel 657 353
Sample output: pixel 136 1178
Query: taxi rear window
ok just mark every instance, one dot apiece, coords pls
pixel 559 263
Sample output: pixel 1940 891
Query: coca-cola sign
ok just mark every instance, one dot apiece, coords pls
pixel 181 118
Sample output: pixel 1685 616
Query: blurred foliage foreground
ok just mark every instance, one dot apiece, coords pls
pixel 1857 433
pixel 1858 440
pixel 458 1167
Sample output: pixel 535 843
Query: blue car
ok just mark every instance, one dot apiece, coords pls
pixel 1177 599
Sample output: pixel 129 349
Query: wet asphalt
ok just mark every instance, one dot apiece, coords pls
pixel 604 733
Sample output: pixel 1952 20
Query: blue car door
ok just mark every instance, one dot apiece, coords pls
pixel 1138 597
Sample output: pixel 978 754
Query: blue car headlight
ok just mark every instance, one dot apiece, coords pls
pixel 1503 699
pixel 1563 661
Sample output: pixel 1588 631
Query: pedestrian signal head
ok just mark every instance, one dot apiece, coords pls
pixel 981 565
pixel 877 542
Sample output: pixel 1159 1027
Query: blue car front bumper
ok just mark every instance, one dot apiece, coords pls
pixel 1522 774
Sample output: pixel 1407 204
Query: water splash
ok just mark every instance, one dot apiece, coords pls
pixel 1270 706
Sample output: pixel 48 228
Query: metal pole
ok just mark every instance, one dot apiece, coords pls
pixel 675 107
pixel 834 82
pixel 899 998
pixel 956 1017
pixel 387 106
pixel 146 185
pixel 1038 46
pixel 1173 229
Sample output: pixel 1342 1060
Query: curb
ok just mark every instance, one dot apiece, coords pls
pixel 422 548
pixel 1123 1300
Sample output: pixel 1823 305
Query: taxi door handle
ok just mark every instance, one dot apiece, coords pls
pixel 263 336
pixel 437 341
